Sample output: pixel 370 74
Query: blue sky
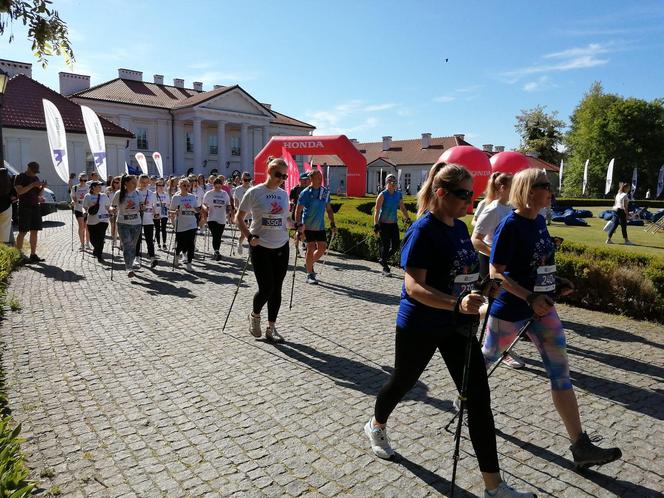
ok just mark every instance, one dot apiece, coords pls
pixel 374 68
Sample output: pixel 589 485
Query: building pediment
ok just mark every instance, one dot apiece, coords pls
pixel 235 100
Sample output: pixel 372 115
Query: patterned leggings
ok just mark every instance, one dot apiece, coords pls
pixel 547 335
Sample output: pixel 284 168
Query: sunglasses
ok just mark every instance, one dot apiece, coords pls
pixel 246 179
pixel 160 184
pixel 278 174
pixel 461 193
pixel 391 181
pixel 543 186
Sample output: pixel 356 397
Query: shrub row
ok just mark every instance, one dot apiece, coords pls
pixel 583 202
pixel 609 280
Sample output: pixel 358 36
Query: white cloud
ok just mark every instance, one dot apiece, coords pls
pixel 444 99
pixel 379 107
pixel 541 83
pixel 348 117
pixel 466 93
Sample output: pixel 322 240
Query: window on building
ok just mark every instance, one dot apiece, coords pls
pixel 212 144
pixel 89 163
pixel 406 183
pixel 190 142
pixel 235 146
pixel 142 138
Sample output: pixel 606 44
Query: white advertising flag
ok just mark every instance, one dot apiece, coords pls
pixel 585 176
pixel 156 156
pixel 96 141
pixel 142 162
pixel 609 177
pixel 660 182
pixel 560 176
pixel 635 178
pixel 399 179
pixel 57 139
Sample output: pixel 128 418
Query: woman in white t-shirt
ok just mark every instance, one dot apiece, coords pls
pixel 96 205
pixel 183 212
pixel 489 197
pixel 147 218
pixel 620 213
pixel 216 204
pixel 126 205
pixel 78 193
pixel 110 193
pixel 238 193
pixel 268 244
pixel 162 201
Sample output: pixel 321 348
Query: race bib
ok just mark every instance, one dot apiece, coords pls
pixel 186 212
pixel 103 216
pixel 272 222
pixel 465 283
pixel 218 202
pixel 128 217
pixel 546 279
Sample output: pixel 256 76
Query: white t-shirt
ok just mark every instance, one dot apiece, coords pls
pixel 492 214
pixel 270 215
pixel 238 194
pixel 186 206
pixel 147 202
pixel 621 201
pixel 161 203
pixel 199 193
pixel 217 203
pixel 78 193
pixel 102 215
pixel 128 209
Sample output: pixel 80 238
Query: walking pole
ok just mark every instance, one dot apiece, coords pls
pixel 72 229
pixel 297 241
pixel 505 353
pixel 112 255
pixel 233 239
pixel 177 219
pixel 334 234
pixel 246 264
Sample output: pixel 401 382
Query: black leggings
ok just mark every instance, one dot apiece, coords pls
pixel 97 234
pixel 619 216
pixel 413 351
pixel 389 240
pixel 186 242
pixel 148 230
pixel 270 267
pixel 160 229
pixel 217 230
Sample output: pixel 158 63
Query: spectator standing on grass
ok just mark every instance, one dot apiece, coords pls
pixel 620 207
pixel 29 189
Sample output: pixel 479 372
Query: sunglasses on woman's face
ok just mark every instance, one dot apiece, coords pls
pixel 543 186
pixel 461 193
pixel 278 174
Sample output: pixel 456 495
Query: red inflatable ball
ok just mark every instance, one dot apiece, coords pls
pixel 475 161
pixel 508 162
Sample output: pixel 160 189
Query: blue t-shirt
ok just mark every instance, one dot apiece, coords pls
pixel 314 201
pixel 452 268
pixel 525 247
pixel 391 202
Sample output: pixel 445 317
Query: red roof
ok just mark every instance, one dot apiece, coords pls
pixel 536 162
pixel 22 107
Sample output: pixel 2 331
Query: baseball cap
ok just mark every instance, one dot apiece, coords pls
pixel 304 176
pixel 95 184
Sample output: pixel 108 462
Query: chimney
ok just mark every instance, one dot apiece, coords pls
pixel 268 106
pixel 198 86
pixel 426 140
pixel 460 136
pixel 354 140
pixel 12 68
pixel 159 79
pixel 178 82
pixel 217 87
pixel 73 83
pixel 130 74
pixel 499 148
pixel 487 147
pixel 387 143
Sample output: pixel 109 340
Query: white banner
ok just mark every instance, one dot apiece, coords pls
pixel 585 176
pixel 660 182
pixel 380 182
pixel 57 139
pixel 156 157
pixel 96 141
pixel 142 162
pixel 399 179
pixel 560 177
pixel 609 177
pixel 635 178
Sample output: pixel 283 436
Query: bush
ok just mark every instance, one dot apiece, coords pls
pixel 583 202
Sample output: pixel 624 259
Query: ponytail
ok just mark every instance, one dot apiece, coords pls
pixel 440 175
pixel 123 185
pixel 496 180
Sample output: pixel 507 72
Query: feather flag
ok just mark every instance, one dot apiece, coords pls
pixel 609 177
pixel 320 169
pixel 635 178
pixel 307 167
pixel 660 182
pixel 142 162
pixel 585 176
pixel 560 176
pixel 57 139
pixel 95 134
pixel 156 157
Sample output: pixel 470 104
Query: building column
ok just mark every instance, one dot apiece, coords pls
pixel 178 148
pixel 266 136
pixel 198 145
pixel 245 160
pixel 221 146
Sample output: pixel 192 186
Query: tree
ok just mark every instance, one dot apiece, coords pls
pixel 606 126
pixel 46 30
pixel 540 132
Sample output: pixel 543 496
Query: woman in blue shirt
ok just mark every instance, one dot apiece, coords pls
pixel 440 266
pixel 522 256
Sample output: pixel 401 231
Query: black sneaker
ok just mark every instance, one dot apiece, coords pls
pixel 100 259
pixel 586 454
pixel 217 256
pixel 35 259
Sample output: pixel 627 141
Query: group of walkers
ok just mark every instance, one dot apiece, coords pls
pixel 443 266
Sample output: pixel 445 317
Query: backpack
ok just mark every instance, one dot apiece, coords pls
pixel 94 209
pixel 5 182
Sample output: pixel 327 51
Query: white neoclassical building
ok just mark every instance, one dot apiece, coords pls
pixel 221 129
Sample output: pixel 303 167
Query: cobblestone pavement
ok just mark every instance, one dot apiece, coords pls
pixel 133 390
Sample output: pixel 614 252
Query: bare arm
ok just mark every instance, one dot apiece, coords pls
pixel 541 304
pixel 242 226
pixel 478 243
pixel 379 205
pixel 404 211
pixel 416 287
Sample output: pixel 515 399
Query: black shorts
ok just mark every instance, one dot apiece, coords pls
pixel 315 236
pixel 29 218
pixel 79 214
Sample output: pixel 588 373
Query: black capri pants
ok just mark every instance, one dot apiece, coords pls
pixel 413 351
pixel 217 230
pixel 160 230
pixel 185 242
pixel 389 240
pixel 270 267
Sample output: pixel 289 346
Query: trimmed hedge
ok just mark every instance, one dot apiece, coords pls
pixel 609 280
pixel 583 202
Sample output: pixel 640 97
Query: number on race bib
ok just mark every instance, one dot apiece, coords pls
pixel 465 283
pixel 546 279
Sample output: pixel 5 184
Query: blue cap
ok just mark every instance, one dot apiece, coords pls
pixel 304 176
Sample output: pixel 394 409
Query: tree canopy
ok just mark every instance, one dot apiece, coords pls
pixel 540 132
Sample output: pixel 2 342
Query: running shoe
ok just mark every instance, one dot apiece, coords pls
pixel 100 259
pixel 380 444
pixel 217 256
pixel 81 248
pixel 609 241
pixel 137 264
pixel 586 454
pixel 35 259
pixel 188 266
pixel 153 262
pixel 176 260
pixel 272 335
pixel 513 361
pixel 505 491
pixel 386 271
pixel 240 249
pixel 629 243
pixel 87 246
pixel 311 279
pixel 255 325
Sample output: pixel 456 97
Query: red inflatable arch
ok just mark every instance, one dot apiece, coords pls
pixel 325 145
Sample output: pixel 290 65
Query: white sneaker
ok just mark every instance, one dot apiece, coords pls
pixel 137 264
pixel 272 335
pixel 153 262
pixel 505 491
pixel 87 246
pixel 188 266
pixel 380 445
pixel 255 325
pixel 609 241
pixel 176 260
pixel 311 279
pixel 513 361
pixel 82 248
pixel 240 249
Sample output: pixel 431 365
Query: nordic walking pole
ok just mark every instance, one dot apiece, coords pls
pixel 112 253
pixel 246 264
pixel 177 219
pixel 72 228
pixel 233 239
pixel 297 251
pixel 334 234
